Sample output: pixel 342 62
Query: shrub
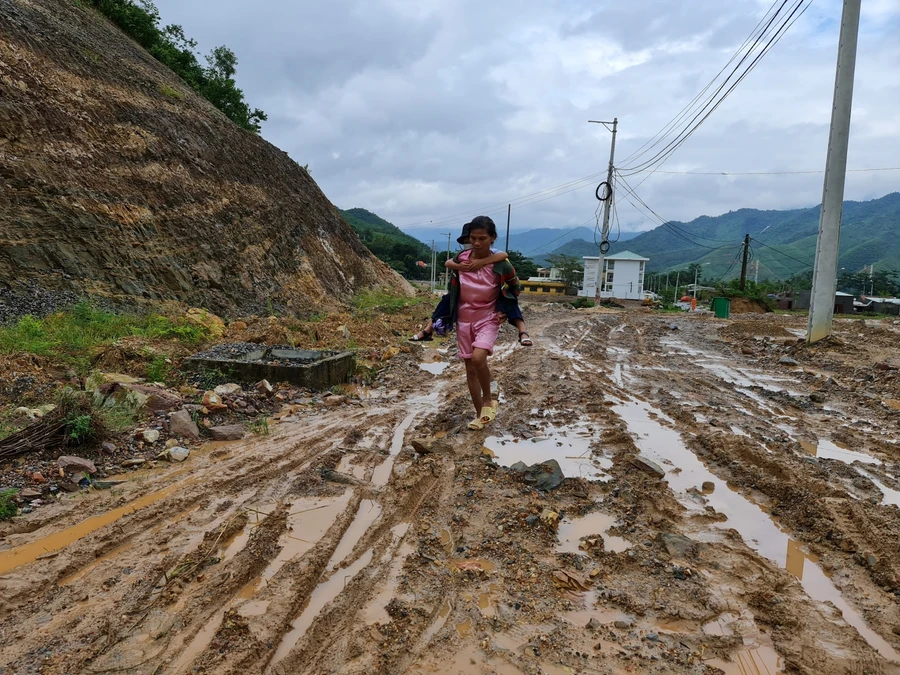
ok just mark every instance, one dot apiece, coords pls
pixel 170 92
pixel 379 301
pixel 8 507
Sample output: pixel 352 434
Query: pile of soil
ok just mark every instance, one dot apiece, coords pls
pixel 741 305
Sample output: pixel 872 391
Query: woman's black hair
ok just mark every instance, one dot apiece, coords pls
pixel 483 223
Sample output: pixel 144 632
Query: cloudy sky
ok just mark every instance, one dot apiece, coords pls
pixel 426 112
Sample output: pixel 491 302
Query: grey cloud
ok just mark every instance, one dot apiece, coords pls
pixel 418 110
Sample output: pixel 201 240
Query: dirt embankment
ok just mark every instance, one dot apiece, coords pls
pixel 118 181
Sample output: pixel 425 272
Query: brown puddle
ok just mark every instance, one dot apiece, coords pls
pixel 486 601
pixel 375 611
pixel 472 565
pixel 369 511
pixel 80 574
pixel 253 608
pixel 439 622
pixel 571 533
pixel 447 541
pixel 827 449
pixel 230 547
pixel 308 521
pixel 382 472
pixel 324 593
pixel 665 446
pixel 198 645
pixel 22 555
pixel 753 661
pixel 465 628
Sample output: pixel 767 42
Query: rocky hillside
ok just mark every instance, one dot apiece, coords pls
pixel 118 181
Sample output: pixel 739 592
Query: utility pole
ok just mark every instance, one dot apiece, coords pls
pixel 444 273
pixel 607 203
pixel 696 279
pixel 667 281
pixel 824 281
pixel 677 279
pixel 744 262
pixel 756 271
pixel 433 264
pixel 508 214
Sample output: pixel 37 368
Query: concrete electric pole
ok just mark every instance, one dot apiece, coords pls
pixel 446 280
pixel 744 262
pixel 607 203
pixel 824 281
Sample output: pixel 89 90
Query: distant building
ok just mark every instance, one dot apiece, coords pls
pixel 843 303
pixel 878 305
pixel 551 273
pixel 622 278
pixel 549 281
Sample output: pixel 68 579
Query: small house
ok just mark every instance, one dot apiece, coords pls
pixel 843 303
pixel 622 276
pixel 879 305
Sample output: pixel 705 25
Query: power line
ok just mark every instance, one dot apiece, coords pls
pixel 525 200
pixel 731 266
pixel 684 234
pixel 652 142
pixel 805 264
pixel 709 107
pixel 565 234
pixel 764 173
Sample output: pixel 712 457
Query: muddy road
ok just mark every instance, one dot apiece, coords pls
pixel 771 544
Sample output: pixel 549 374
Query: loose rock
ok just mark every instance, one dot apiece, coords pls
pixel 72 464
pixel 676 545
pixel 648 466
pixel 227 432
pixel 181 424
pixel 545 476
pixel 228 389
pixel 150 436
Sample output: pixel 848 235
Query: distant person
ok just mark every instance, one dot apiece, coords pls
pixel 481 299
pixel 440 318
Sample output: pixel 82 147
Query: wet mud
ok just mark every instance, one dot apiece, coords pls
pixel 769 542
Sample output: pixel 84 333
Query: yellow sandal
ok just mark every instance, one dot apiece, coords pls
pixel 488 415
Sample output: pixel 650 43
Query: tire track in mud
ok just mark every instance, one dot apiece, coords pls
pixel 820 588
pixel 131 542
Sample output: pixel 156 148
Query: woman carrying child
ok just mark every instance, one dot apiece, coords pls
pixel 440 320
pixel 481 299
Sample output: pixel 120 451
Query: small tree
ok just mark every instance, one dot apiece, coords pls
pixel 525 267
pixel 571 268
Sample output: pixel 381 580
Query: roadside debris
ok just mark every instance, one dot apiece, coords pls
pixel 545 476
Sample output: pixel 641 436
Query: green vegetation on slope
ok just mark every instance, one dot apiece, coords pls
pixel 402 252
pixel 390 245
pixel 72 336
pixel 870 234
pixel 141 21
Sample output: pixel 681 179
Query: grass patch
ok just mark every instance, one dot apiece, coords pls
pixel 372 301
pixel 582 303
pixel 8 507
pixel 170 92
pixel 158 370
pixel 73 335
pixel 259 427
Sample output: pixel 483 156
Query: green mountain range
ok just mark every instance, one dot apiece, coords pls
pixel 784 242
pixel 389 243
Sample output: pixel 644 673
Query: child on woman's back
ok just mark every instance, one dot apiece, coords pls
pixel 481 298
